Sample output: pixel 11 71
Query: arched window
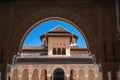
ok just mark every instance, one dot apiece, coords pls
pixel 54 51
pixel 59 51
pixel 63 51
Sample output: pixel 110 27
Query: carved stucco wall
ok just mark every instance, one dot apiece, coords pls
pixel 52 67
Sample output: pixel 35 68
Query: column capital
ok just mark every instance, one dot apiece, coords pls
pixel 30 76
pixel 48 75
pixel 19 75
pixel 77 75
pixel 86 75
pixel 67 75
pixel 96 75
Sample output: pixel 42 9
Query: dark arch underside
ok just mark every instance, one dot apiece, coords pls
pixel 58 74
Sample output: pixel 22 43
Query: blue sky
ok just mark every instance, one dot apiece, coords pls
pixel 33 37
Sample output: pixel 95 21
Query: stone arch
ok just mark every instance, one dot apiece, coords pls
pixel 44 74
pixel 72 74
pixel 17 38
pixel 58 74
pixel 91 75
pixel 35 75
pixel 58 66
pixel 34 67
pixel 52 18
pixel 15 74
pixel 81 75
pixel 25 75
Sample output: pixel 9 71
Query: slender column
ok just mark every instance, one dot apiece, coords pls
pixel 48 76
pixel 109 75
pixel 86 77
pixel 39 77
pixel 77 76
pixel 20 77
pixel 96 77
pixel 68 77
pixel 0 75
pixel 30 77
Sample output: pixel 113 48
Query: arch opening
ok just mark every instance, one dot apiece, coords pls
pixel 44 74
pixel 25 75
pixel 35 75
pixel 48 24
pixel 72 75
pixel 58 74
pixel 15 75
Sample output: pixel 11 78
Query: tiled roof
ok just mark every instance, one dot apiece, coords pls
pixel 77 47
pixel 34 47
pixel 59 29
pixel 43 47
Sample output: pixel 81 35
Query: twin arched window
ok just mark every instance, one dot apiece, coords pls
pixel 59 51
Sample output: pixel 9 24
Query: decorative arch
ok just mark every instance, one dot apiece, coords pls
pixel 35 75
pixel 72 74
pixel 58 74
pixel 47 19
pixel 81 74
pixel 52 18
pixel 15 74
pixel 91 75
pixel 56 67
pixel 25 75
pixel 59 51
pixel 44 74
pixel 24 27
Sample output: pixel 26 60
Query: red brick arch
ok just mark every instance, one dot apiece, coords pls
pixel 27 25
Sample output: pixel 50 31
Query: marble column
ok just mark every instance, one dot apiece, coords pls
pixel 30 77
pixel 20 77
pixel 86 77
pixel 68 77
pixel 39 77
pixel 48 76
pixel 109 75
pixel 77 77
